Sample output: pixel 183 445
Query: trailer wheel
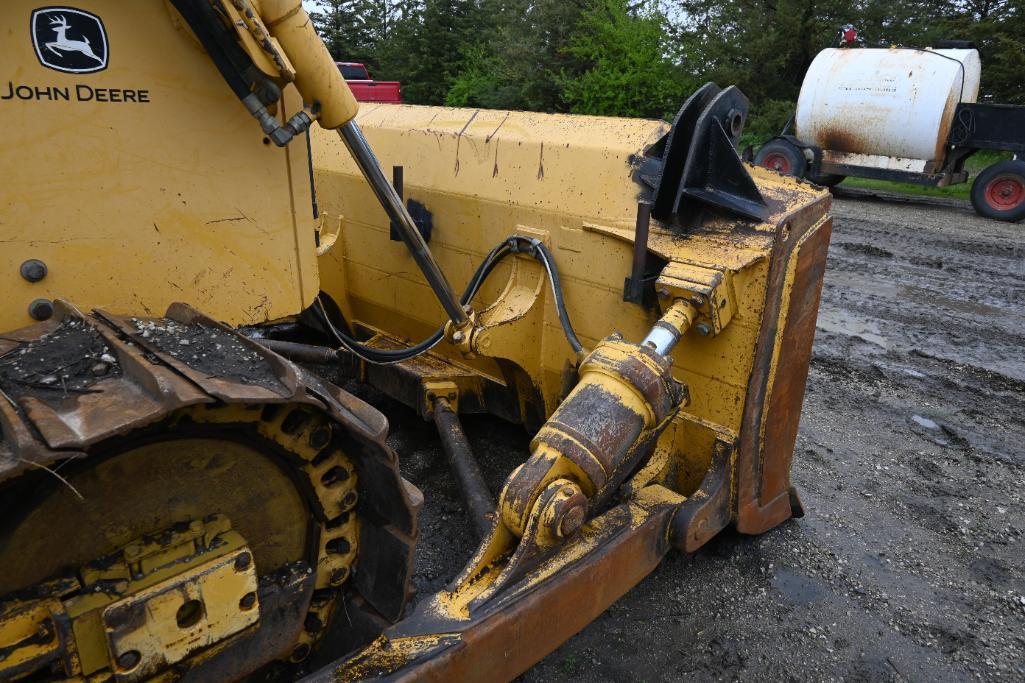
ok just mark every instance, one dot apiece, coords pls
pixel 999 191
pixel 780 155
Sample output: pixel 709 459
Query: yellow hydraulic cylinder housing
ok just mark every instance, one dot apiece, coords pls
pixel 114 187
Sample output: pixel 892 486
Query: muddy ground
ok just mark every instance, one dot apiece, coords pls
pixel 910 563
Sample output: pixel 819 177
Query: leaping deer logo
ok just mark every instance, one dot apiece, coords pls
pixel 65 44
pixel 69 40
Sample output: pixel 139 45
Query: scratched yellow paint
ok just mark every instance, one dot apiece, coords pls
pixel 566 180
pixel 134 205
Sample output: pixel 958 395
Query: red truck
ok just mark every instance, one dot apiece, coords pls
pixel 365 88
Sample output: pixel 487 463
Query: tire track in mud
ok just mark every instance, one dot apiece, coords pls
pixel 949 285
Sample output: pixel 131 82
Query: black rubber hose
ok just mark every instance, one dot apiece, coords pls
pixel 513 244
pixel 389 356
pixel 560 303
pixel 224 50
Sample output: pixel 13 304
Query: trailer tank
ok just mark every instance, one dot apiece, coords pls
pixel 896 102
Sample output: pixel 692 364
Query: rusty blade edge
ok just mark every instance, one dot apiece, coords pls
pixel 499 644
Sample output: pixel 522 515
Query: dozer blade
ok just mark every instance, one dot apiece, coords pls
pixel 474 630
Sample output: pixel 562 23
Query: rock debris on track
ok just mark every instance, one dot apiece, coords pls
pixel 910 562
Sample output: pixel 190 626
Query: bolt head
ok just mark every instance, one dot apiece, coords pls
pixel 703 329
pixel 458 336
pixel 129 660
pixel 566 510
pixel 349 500
pixel 320 437
pixel 248 601
pixel 33 270
pixel 339 575
pixel 41 309
pixel 243 561
pixel 572 521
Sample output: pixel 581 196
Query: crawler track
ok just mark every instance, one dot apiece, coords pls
pixel 116 427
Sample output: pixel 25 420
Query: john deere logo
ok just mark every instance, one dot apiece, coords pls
pixel 69 40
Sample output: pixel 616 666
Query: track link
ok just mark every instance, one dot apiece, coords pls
pixel 76 383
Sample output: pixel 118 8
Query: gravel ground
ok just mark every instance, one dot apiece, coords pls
pixel 910 562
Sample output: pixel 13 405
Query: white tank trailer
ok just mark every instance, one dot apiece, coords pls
pixel 903 114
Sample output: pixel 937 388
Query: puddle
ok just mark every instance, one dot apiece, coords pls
pixel 842 322
pixel 964 304
pixel 798 588
pixel 924 422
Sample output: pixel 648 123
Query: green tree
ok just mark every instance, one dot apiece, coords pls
pixel 353 30
pixel 426 46
pixel 518 59
pixel 643 57
pixel 997 27
pixel 630 68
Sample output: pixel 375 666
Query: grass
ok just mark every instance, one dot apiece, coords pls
pixel 569 665
pixel 975 163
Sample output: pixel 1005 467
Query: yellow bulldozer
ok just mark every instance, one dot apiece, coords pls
pixel 185 491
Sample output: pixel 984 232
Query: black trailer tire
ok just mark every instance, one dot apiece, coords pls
pixel 827 180
pixel 780 155
pixel 999 191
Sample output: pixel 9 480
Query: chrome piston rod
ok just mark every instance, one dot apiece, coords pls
pixel 671 327
pixel 368 164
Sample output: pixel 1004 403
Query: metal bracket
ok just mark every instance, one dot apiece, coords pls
pixel 699 161
pixel 634 286
pixel 423 218
pixel 162 597
pixel 173 619
pixel 708 289
pixel 328 230
pixel 434 389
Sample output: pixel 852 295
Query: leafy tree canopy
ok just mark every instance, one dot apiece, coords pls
pixel 643 57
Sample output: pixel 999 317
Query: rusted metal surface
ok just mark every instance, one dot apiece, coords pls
pixel 842 140
pixel 624 391
pixel 301 353
pixel 776 390
pixel 465 467
pixel 710 509
pixel 895 103
pixel 501 639
pixel 479 392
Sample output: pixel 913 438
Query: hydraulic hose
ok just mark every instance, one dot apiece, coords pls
pixel 511 245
